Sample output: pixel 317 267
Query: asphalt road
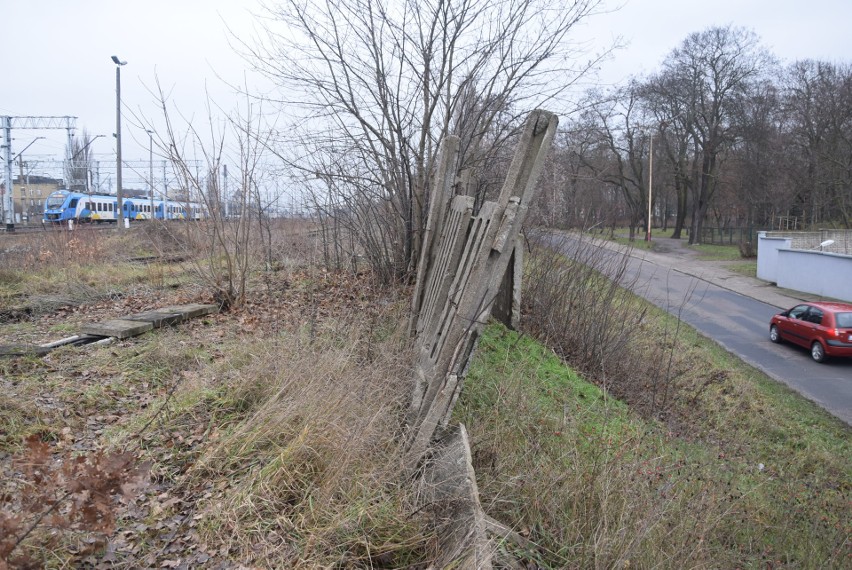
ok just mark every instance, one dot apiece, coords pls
pixel 732 310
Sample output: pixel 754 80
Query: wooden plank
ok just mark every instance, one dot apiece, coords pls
pixel 446 342
pixel 23 350
pixel 442 188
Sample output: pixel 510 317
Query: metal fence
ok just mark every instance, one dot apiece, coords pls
pixel 840 240
pixel 728 236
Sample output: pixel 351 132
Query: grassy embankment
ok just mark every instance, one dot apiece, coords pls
pixel 709 463
pixel 273 434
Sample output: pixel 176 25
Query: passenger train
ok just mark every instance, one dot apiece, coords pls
pixel 64 205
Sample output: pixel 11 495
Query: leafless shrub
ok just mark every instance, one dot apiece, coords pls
pixel 580 306
pixel 747 250
pixel 578 300
pixel 377 90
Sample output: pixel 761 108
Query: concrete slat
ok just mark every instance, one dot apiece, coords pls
pixel 118 328
pixel 157 318
pixel 191 311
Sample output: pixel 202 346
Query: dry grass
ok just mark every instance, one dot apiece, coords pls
pixel 594 485
pixel 299 459
pixel 274 430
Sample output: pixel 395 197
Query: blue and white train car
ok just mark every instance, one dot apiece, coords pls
pixel 64 205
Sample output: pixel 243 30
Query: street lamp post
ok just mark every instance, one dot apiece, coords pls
pixel 650 187
pixel 120 214
pixel 662 126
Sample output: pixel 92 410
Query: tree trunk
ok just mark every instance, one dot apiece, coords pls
pixel 680 214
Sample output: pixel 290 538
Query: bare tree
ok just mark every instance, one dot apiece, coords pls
pixel 673 117
pixel 380 83
pixel 79 165
pixel 818 107
pixel 623 141
pixel 709 74
pixel 759 183
pixel 222 246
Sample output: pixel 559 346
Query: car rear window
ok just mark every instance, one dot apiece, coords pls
pixel 844 320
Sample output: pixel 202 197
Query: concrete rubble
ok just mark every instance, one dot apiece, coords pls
pixel 124 327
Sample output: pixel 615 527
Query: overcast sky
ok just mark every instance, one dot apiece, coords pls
pixel 55 54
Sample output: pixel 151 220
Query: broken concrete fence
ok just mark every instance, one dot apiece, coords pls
pixel 471 263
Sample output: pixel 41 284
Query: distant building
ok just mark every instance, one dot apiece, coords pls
pixel 29 195
pixel 134 193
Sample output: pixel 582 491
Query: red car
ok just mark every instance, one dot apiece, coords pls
pixel 823 327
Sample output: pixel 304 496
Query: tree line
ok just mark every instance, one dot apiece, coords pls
pixel 738 140
pixel 365 91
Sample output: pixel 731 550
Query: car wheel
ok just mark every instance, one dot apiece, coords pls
pixel 817 352
pixel 774 334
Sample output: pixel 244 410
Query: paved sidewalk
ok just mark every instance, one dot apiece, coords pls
pixel 675 255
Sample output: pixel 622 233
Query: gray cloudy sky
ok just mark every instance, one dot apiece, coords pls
pixel 56 53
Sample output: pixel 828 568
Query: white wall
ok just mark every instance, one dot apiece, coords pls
pixel 767 255
pixel 820 273
pixel 810 271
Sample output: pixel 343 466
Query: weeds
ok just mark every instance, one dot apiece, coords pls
pixel 594 485
pixel 273 432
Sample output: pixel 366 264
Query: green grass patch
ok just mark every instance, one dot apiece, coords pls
pixel 747 268
pixel 762 478
pixel 713 252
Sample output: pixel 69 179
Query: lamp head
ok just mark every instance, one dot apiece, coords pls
pixel 117 61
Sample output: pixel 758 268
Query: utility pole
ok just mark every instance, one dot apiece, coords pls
pixel 650 186
pixel 96 175
pixel 151 169
pixel 23 189
pixel 120 214
pixel 8 204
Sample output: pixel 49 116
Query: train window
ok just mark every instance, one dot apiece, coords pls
pixel 73 203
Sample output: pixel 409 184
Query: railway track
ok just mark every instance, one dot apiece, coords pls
pixel 35 228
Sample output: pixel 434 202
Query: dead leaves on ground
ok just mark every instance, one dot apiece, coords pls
pixel 63 491
pixel 93 503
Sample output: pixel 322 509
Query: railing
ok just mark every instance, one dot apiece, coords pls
pixel 728 236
